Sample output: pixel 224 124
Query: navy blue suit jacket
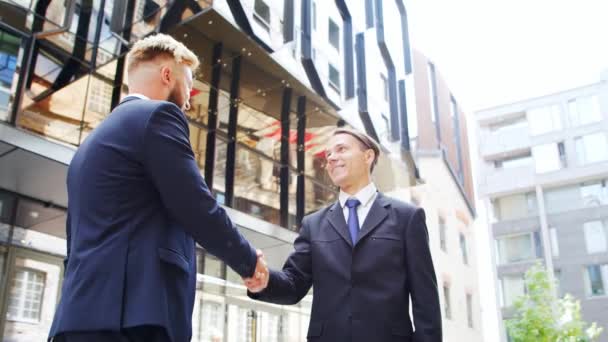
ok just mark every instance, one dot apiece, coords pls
pixel 137 205
pixel 361 293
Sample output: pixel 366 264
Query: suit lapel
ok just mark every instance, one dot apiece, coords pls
pixel 336 219
pixel 377 213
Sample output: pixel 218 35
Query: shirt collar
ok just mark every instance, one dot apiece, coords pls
pixel 139 96
pixel 364 195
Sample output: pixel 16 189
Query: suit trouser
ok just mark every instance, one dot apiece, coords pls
pixel 135 334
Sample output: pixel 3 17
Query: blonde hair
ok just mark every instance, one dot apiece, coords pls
pixel 158 45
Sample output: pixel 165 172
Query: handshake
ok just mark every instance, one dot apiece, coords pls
pixel 259 280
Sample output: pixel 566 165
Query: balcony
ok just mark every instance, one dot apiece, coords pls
pixel 503 181
pixel 504 141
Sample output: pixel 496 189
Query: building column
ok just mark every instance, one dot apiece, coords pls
pixel 232 128
pixel 545 236
pixel 284 170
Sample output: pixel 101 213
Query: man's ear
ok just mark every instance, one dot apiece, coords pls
pixel 166 74
pixel 369 156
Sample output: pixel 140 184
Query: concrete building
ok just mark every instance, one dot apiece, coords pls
pixel 276 78
pixel 544 179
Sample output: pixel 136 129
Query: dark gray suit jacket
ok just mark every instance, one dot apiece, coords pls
pixel 362 292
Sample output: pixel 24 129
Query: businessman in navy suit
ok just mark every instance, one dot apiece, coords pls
pixel 137 205
pixel 365 256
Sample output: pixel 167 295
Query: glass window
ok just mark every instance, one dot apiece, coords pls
pixel 547 157
pixel 443 234
pixel 334 78
pixel 40 226
pixel 241 324
pixel 7 202
pixel 514 162
pixel 269 326
pixel 334 34
pixel 447 305
pixel 594 193
pixel 262 13
pixel 27 289
pixel 584 110
pixel 554 243
pixel 432 95
pixel 213 267
pixel 515 206
pixel 591 148
pixel 558 282
pixel 513 287
pixel 597 279
pixel 522 247
pixel 212 320
pixel 69 114
pixel 595 236
pixel 463 249
pixel 562 198
pixel 511 123
pixel 384 87
pixel 256 183
pixel 9 50
pixel 544 120
pixel 470 310
pixel 314 15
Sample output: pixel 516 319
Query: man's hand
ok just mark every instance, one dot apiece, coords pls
pixel 259 281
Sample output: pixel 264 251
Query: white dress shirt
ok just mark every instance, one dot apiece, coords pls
pixel 366 196
pixel 139 96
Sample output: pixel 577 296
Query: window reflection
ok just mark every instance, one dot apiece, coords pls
pixel 7 202
pixel 40 227
pixel 256 184
pixel 9 49
pixel 198 141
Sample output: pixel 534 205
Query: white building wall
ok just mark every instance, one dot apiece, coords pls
pixel 440 196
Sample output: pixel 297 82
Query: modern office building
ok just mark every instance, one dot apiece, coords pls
pixel 276 78
pixel 544 179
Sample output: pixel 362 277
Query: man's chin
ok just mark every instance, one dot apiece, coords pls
pixel 338 181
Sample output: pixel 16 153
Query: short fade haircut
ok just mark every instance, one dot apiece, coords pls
pixel 366 142
pixel 149 48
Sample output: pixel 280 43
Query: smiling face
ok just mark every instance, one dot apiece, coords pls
pixel 348 162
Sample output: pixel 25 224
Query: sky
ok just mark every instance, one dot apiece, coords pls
pixel 494 52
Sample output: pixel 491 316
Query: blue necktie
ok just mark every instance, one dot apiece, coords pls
pixel 353 220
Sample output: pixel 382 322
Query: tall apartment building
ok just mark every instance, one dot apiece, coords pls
pixel 276 78
pixel 544 179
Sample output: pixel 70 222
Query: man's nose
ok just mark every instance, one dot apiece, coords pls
pixel 331 159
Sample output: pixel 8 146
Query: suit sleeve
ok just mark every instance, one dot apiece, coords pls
pixel 422 281
pixel 170 163
pixel 291 284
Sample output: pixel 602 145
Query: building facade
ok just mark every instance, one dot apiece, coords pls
pixel 276 78
pixel 544 180
pixel 441 152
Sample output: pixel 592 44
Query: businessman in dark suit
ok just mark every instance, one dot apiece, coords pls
pixel 137 205
pixel 365 256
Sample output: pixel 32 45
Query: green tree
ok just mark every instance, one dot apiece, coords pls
pixel 542 317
